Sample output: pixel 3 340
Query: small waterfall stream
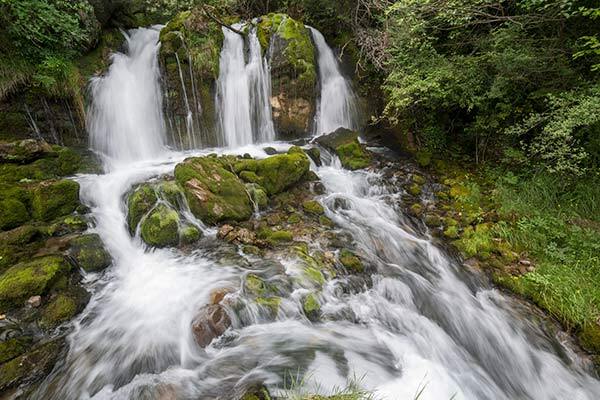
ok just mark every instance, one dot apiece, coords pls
pixel 337 106
pixel 421 320
pixel 243 91
pixel 125 119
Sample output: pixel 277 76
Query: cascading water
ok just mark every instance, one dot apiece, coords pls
pixel 337 106
pixel 125 118
pixel 243 91
pixel 420 320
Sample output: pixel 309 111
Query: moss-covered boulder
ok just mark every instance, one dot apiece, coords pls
pixel 213 192
pixel 161 227
pixel 140 202
pixel 311 306
pixel 293 72
pixel 89 253
pixel 189 234
pixel 345 144
pixel 189 56
pixel 313 207
pixel 12 213
pixel 35 277
pixel 24 151
pixel 276 173
pixel 53 199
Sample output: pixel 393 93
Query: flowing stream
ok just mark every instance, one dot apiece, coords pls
pixel 420 321
pixel 337 103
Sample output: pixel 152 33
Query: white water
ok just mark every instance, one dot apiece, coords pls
pixel 418 320
pixel 125 118
pixel 337 105
pixel 243 91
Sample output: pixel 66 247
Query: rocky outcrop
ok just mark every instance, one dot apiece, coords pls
pixel 189 57
pixel 344 143
pixel 294 79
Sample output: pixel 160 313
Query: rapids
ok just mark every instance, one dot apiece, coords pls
pixel 420 321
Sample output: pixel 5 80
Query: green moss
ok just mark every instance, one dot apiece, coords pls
pixel 272 303
pixel 12 213
pixel 140 202
pixel 13 347
pixel 451 232
pixel 325 221
pixel 275 237
pixel 62 308
pixel 415 189
pixel 416 209
pixel 53 199
pixel 161 227
pixel 311 306
pixel 353 156
pixel 476 241
pixel 351 261
pixel 170 192
pixel 294 218
pixel 281 171
pixel 31 278
pixel 313 207
pixel 89 252
pixel 36 362
pixel 249 176
pixel 423 158
pixel 214 194
pixel 257 194
pixel 189 234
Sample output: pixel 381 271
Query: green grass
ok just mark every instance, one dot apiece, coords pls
pixel 557 224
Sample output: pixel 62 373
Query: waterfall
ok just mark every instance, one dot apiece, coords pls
pixel 243 92
pixel 337 105
pixel 125 119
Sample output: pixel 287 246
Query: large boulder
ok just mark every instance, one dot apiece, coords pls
pixel 140 202
pixel 345 144
pixel 213 192
pixel 189 58
pixel 53 199
pixel 276 173
pixel 294 77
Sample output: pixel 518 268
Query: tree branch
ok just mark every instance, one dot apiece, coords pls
pixel 218 21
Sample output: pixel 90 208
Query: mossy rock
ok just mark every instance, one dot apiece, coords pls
pixel 32 365
pixel 344 143
pixel 451 232
pixel 258 195
pixel 293 71
pixel 282 171
pixel 24 151
pixel 271 303
pixel 311 306
pixel 67 225
pixel 415 189
pixel 53 199
pixel 161 227
pixel 214 193
pixel 60 309
pixel 416 209
pixel 351 261
pixel 89 253
pixel 31 278
pixel 189 234
pixel 313 207
pixel 140 202
pixel 275 237
pixel 13 347
pixel 12 213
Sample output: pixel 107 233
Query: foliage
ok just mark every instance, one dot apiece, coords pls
pixel 468 72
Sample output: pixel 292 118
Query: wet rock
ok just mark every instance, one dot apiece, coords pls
pixel 161 227
pixel 211 322
pixel 313 207
pixel 53 199
pixel 351 261
pixel 214 193
pixel 89 253
pixel 60 309
pixel 140 203
pixel 344 143
pixel 315 154
pixel 24 151
pixel 237 235
pixel 270 151
pixel 30 366
pixel 311 307
pixel 293 72
pixel 257 194
pixel 189 234
pixel 31 278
